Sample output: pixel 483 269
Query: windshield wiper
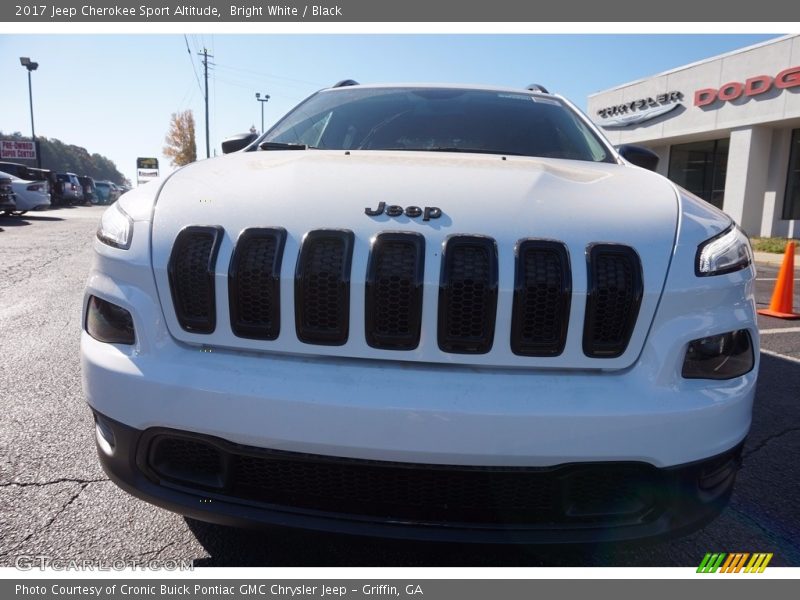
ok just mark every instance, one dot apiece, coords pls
pixel 282 146
pixel 457 149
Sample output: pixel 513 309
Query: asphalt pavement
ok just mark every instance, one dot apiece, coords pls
pixel 56 501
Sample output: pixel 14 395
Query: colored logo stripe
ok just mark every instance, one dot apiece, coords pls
pixel 711 562
pixel 735 562
pixel 758 563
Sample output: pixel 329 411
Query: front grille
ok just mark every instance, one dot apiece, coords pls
pixel 388 490
pixel 191 277
pixel 394 291
pixel 468 295
pixel 613 300
pixel 322 287
pixel 254 284
pixel 542 295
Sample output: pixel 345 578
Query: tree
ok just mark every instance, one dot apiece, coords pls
pixel 181 147
pixel 69 158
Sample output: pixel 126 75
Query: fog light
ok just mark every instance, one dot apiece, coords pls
pixel 719 356
pixel 108 322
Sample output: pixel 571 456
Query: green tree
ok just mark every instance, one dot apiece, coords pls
pixel 181 147
pixel 62 158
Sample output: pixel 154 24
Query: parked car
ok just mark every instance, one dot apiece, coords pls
pixel 116 191
pixel 105 193
pixel 89 189
pixel 30 195
pixel 54 185
pixel 7 197
pixel 70 188
pixel 18 170
pixel 436 312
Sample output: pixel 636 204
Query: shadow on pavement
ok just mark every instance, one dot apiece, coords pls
pixel 287 547
pixel 32 217
pixel 25 220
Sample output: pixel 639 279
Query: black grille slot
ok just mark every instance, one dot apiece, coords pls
pixel 254 284
pixel 191 277
pixel 468 295
pixel 612 304
pixel 394 291
pixel 542 295
pixel 322 287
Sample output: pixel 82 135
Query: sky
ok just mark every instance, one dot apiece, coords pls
pixel 114 94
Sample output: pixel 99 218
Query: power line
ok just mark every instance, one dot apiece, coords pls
pixel 197 79
pixel 249 86
pixel 263 74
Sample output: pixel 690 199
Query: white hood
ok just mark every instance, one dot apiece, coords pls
pixel 508 199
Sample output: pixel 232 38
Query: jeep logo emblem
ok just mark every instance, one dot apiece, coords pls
pixel 427 213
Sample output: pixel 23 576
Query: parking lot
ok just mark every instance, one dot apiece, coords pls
pixel 56 501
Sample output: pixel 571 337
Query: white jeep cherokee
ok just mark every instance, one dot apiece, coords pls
pixel 436 312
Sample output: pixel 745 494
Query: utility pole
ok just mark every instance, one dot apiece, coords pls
pixel 32 66
pixel 263 101
pixel 206 56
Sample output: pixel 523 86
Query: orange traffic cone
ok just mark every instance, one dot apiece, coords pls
pixel 781 304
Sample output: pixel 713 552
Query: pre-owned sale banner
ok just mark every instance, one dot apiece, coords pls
pixel 15 150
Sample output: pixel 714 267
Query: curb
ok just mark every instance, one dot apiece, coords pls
pixel 769 259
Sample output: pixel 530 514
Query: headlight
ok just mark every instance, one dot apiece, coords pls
pixel 116 228
pixel 725 253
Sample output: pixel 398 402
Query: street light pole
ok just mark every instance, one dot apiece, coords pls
pixel 32 66
pixel 263 101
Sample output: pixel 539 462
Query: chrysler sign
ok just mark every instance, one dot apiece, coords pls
pixel 639 111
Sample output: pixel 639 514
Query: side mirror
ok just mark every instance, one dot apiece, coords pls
pixel 237 142
pixel 639 156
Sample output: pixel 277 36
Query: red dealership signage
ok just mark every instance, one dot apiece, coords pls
pixel 754 86
pixel 15 149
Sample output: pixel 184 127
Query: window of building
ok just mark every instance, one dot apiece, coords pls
pixel 700 167
pixel 791 201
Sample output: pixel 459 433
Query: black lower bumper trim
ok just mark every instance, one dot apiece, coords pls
pixel 210 486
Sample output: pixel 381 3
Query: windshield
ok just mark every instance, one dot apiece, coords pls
pixel 439 119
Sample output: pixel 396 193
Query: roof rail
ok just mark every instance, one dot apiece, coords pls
pixel 345 83
pixel 535 87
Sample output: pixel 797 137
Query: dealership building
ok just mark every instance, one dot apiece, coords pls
pixel 726 128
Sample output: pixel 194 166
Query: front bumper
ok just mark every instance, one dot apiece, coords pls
pixel 214 480
pixel 380 410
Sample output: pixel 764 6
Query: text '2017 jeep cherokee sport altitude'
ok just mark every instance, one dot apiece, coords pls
pixel 434 312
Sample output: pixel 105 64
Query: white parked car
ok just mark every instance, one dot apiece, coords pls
pixel 436 312
pixel 30 195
